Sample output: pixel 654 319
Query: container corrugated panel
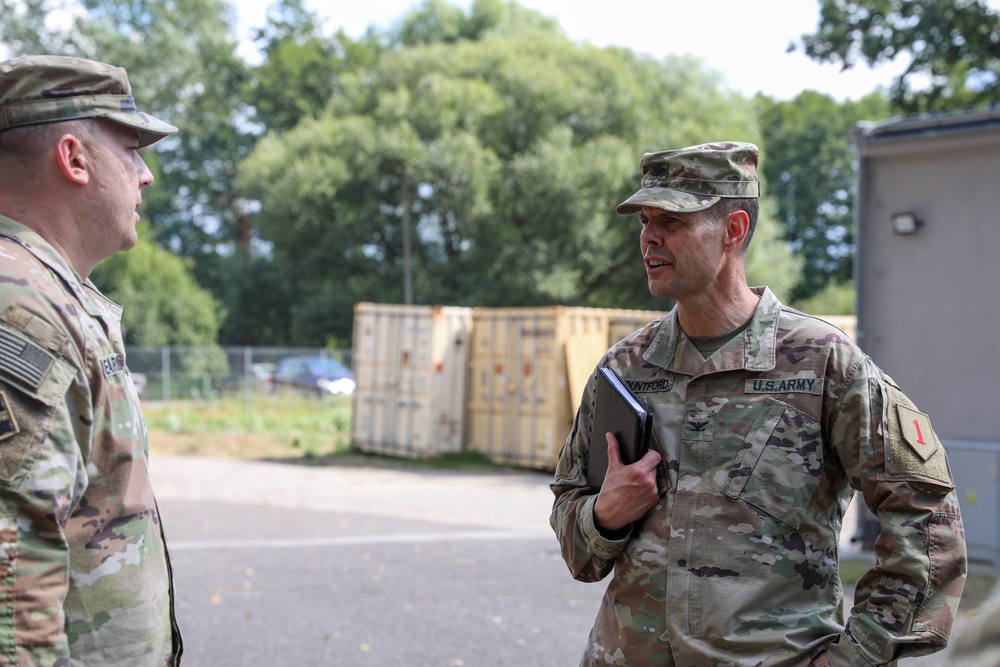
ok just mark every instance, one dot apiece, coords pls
pixel 528 367
pixel 411 369
pixel 625 322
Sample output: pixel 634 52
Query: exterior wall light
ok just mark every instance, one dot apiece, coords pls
pixel 905 223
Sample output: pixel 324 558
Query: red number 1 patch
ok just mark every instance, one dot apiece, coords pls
pixel 917 432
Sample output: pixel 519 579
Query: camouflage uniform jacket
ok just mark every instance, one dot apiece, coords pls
pixel 84 573
pixel 763 446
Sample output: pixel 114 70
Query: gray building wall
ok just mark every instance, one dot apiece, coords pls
pixel 929 303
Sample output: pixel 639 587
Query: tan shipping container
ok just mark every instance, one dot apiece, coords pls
pixel 626 322
pixel 411 368
pixel 528 370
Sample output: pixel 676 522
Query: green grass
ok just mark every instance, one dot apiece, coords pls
pixel 265 427
pixel 302 429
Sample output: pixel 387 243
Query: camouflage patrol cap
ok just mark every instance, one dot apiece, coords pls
pixel 49 89
pixel 695 178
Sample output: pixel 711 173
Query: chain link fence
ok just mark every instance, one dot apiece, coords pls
pixel 200 373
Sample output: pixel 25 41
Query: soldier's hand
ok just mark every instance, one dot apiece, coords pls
pixel 820 661
pixel 628 492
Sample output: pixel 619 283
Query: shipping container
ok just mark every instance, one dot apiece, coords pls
pixel 528 370
pixel 411 368
pixel 626 322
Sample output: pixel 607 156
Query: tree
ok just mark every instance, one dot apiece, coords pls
pixel 163 303
pixel 182 64
pixel 500 158
pixel 808 163
pixel 301 67
pixel 770 260
pixel 438 22
pixel 258 301
pixel 954 46
pixel 834 299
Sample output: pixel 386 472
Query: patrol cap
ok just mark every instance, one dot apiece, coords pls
pixel 695 178
pixel 49 89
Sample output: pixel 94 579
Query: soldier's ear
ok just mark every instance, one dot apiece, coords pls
pixel 737 226
pixel 73 159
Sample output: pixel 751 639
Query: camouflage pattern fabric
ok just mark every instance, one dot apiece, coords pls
pixel 763 446
pixel 695 178
pixel 84 572
pixel 48 89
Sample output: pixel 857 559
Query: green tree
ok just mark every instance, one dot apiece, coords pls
pixel 834 299
pixel 954 47
pixel 182 63
pixel 301 68
pixel 770 260
pixel 437 21
pixel 258 301
pixel 489 166
pixel 808 162
pixel 163 303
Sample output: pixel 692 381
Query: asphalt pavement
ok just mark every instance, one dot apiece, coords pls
pixel 288 565
pixel 284 565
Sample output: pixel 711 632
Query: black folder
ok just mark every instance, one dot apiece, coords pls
pixel 616 410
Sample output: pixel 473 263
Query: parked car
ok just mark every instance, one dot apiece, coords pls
pixel 319 375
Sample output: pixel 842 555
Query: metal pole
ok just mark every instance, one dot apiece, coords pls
pixel 407 252
pixel 165 372
pixel 247 377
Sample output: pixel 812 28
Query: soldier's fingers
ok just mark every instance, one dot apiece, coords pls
pixel 614 453
pixel 650 459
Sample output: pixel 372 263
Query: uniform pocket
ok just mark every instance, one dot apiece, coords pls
pixel 780 464
pixel 26 415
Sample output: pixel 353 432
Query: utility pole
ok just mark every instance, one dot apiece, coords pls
pixel 407 252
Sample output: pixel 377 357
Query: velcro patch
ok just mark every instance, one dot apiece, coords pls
pixel 917 433
pixel 913 447
pixel 113 364
pixel 789 385
pixel 8 422
pixel 23 360
pixel 650 386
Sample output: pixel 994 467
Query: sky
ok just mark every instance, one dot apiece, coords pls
pixel 745 40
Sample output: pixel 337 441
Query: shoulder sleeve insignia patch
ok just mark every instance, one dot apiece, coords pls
pixel 916 431
pixel 913 449
pixel 23 360
pixel 8 422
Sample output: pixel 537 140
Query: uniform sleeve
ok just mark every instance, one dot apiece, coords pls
pixel 588 554
pixel 41 479
pixel 906 604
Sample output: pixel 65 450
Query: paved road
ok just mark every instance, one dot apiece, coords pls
pixel 289 565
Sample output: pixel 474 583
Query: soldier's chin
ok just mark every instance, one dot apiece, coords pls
pixel 129 241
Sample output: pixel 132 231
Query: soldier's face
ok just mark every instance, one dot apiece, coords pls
pixel 120 176
pixel 682 252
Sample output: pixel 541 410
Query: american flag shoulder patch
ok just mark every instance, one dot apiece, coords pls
pixel 23 360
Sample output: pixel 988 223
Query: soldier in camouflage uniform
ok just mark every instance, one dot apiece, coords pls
pixel 84 573
pixel 723 538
